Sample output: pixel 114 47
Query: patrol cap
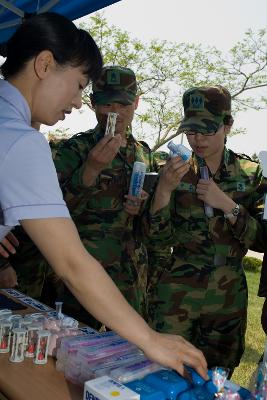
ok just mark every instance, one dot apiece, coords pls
pixel 115 85
pixel 206 108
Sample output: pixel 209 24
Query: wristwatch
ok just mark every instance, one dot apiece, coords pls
pixel 234 212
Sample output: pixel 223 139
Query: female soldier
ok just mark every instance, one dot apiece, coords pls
pixel 210 222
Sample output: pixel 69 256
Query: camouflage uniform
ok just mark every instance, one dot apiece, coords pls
pixel 106 230
pixel 202 293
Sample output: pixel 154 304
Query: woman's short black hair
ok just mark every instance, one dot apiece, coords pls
pixel 50 31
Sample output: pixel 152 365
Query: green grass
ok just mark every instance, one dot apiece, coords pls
pixel 255 336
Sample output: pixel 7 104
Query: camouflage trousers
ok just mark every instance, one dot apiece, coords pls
pixel 127 268
pixel 206 305
pixel 128 272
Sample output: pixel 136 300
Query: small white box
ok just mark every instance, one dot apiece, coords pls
pixel 105 388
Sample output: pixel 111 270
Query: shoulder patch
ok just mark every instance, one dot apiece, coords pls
pixel 90 131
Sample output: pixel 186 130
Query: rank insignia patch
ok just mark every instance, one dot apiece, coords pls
pixel 113 77
pixel 196 102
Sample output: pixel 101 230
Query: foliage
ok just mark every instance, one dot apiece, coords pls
pixel 255 157
pixel 255 336
pixel 58 134
pixel 252 264
pixel 166 69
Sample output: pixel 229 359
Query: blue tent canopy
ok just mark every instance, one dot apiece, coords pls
pixel 13 11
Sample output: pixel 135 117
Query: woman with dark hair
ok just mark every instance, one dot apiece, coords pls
pixel 49 62
pixel 210 211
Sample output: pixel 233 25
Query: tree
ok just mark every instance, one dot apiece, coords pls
pixel 58 134
pixel 166 69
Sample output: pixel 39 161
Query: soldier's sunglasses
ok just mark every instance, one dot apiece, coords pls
pixel 190 133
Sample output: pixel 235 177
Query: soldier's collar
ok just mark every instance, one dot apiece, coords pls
pixel 200 162
pixel 226 157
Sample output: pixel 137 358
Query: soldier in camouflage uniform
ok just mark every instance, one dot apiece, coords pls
pixel 95 185
pixel 94 172
pixel 202 293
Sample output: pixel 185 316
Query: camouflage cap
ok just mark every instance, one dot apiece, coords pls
pixel 206 109
pixel 115 85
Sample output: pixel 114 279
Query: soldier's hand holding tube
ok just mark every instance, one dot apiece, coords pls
pixel 100 156
pixel 170 177
pixel 172 174
pixel 211 194
pixel 133 204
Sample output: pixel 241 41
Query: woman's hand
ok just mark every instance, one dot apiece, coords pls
pixel 211 194
pixel 175 352
pixel 172 174
pixel 170 177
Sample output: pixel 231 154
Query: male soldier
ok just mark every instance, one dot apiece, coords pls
pixel 202 295
pixel 94 172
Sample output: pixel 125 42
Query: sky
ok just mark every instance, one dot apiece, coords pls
pixel 208 22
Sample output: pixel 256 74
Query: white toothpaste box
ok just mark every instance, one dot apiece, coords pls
pixel 106 388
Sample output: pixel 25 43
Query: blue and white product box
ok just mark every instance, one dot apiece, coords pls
pixel 105 388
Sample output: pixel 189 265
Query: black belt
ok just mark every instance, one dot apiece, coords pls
pixel 219 260
pixel 216 260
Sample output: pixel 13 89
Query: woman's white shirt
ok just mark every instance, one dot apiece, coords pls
pixel 29 187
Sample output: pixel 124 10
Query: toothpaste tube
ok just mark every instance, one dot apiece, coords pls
pixel 111 123
pixel 179 150
pixel 204 173
pixel 137 179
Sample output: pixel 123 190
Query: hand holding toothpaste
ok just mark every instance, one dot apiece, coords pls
pixel 171 175
pixel 100 157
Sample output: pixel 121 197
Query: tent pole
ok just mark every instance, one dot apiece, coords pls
pixel 12 8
